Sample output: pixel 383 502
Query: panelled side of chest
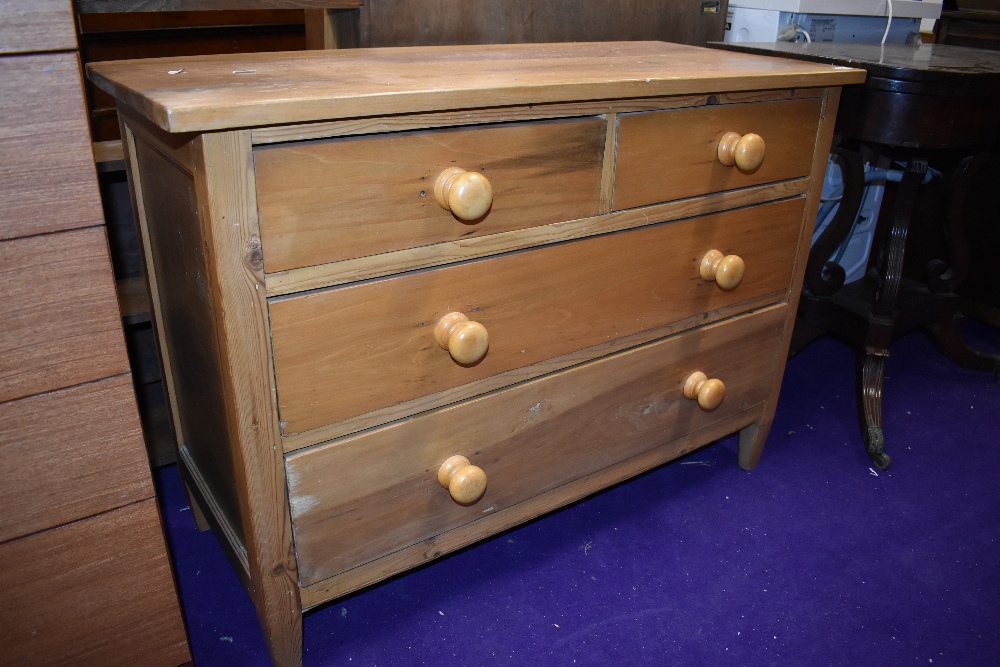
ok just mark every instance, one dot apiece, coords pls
pixel 196 208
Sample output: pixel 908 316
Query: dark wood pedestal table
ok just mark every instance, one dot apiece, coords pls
pixel 919 103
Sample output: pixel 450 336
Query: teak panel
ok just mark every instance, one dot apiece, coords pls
pixel 251 90
pixel 36 25
pixel 94 592
pixel 70 454
pixel 349 350
pixel 324 201
pixel 665 155
pixel 349 506
pixel 47 177
pixel 59 320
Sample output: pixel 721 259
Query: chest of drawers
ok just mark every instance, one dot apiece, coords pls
pixel 408 298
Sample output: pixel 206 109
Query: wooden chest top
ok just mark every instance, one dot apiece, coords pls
pixel 199 93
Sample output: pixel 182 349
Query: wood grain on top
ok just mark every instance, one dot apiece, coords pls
pixel 244 90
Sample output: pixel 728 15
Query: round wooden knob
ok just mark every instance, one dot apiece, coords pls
pixel 466 341
pixel 465 482
pixel 467 194
pixel 708 392
pixel 745 152
pixel 726 270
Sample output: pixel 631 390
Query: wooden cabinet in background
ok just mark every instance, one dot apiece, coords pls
pixel 430 22
pixel 85 578
pixel 976 25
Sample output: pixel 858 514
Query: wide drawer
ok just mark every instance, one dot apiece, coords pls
pixel 323 201
pixel 357 499
pixel 351 350
pixel 666 155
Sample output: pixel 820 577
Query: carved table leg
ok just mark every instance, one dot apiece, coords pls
pixel 943 276
pixel 871 372
pixel 880 330
pixel 823 275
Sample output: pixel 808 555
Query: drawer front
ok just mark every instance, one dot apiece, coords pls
pixel 69 454
pixel 93 592
pixel 59 319
pixel 351 350
pixel 323 201
pixel 666 155
pixel 47 177
pixel 361 498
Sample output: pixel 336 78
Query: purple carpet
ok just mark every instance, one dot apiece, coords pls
pixel 814 558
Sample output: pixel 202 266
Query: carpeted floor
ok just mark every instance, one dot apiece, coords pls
pixel 814 558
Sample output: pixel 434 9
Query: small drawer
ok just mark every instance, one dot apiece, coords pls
pixel 357 499
pixel 330 200
pixel 347 351
pixel 667 155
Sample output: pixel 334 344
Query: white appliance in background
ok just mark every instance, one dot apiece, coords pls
pixel 857 21
pixel 849 21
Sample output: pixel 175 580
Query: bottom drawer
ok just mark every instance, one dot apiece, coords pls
pixel 356 499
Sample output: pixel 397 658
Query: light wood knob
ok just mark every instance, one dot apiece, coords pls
pixel 465 482
pixel 745 152
pixel 726 270
pixel 466 341
pixel 467 194
pixel 708 392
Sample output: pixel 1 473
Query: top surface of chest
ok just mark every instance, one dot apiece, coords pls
pixel 200 93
